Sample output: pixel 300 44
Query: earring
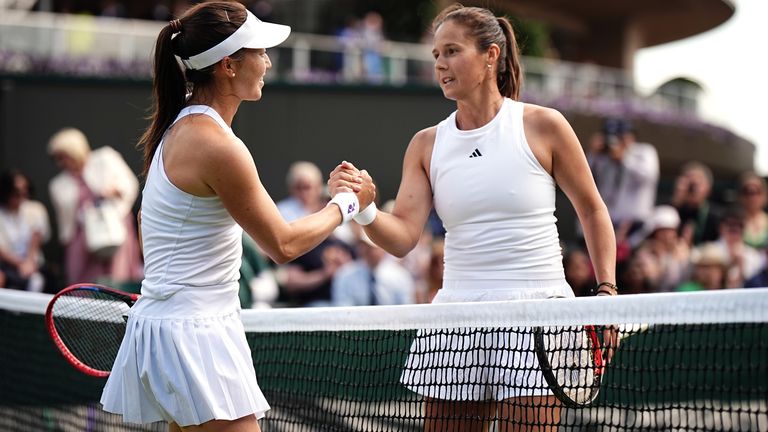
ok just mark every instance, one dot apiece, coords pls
pixel 489 65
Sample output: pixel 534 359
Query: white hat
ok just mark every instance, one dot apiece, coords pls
pixel 708 254
pixel 254 33
pixel 663 216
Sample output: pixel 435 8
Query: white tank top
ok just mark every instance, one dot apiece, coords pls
pixel 496 201
pixel 189 241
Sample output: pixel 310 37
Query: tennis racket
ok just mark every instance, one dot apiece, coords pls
pixel 87 324
pixel 571 361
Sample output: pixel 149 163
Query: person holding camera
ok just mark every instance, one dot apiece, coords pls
pixel 699 217
pixel 626 173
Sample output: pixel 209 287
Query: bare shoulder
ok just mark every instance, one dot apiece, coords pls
pixel 208 141
pixel 424 137
pixel 544 121
pixel 420 147
pixel 200 154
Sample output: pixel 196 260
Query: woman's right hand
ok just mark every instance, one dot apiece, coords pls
pixel 344 178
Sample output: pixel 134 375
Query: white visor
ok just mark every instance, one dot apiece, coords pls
pixel 254 33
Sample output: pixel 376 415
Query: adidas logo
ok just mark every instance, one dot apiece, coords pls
pixel 475 153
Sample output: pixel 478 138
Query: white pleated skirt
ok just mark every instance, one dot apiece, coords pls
pixel 185 359
pixel 480 364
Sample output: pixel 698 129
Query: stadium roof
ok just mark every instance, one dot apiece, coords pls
pixel 608 32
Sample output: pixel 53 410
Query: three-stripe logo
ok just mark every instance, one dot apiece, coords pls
pixel 475 153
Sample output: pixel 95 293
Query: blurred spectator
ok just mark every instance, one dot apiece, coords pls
pixel 88 176
pixel 744 261
pixel 375 278
pixel 372 38
pixel 640 275
pixel 417 261
pixel 20 242
pixel 753 199
pixel 305 189
pixel 33 211
pixel 349 62
pixel 306 281
pixel 709 269
pixel 112 8
pixel 262 9
pixel 691 198
pixel 258 287
pixel 362 40
pixel 671 252
pixel 578 272
pixel 626 173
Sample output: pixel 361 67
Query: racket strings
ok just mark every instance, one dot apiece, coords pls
pixel 574 361
pixel 91 325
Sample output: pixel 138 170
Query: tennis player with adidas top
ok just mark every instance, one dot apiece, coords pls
pixel 490 170
pixel 184 358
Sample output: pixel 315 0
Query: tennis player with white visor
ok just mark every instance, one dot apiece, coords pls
pixel 184 358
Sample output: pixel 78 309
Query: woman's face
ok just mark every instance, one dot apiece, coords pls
pixel 250 72
pixel 460 68
pixel 752 194
pixel 65 162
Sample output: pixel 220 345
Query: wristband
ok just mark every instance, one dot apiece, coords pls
pixel 348 205
pixel 367 216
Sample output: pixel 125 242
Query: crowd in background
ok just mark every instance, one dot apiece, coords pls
pixel 685 242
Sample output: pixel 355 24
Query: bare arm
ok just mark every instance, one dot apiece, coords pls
pixel 570 169
pixel 222 165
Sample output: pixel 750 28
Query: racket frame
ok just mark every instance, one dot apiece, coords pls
pixel 128 298
pixel 546 368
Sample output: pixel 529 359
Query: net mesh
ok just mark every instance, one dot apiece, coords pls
pixel 686 362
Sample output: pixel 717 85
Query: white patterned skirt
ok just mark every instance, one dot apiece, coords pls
pixel 185 359
pixel 480 364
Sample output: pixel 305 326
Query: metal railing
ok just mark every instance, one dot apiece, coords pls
pixel 42 42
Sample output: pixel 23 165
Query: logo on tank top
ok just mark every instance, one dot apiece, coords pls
pixel 475 153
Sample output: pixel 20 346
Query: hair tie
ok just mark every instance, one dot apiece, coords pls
pixel 175 25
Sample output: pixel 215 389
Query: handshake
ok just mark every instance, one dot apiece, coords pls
pixel 352 190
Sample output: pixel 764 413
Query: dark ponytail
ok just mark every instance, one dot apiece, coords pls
pixel 169 91
pixel 201 28
pixel 510 75
pixel 482 25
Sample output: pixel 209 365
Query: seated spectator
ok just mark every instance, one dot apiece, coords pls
pixel 20 242
pixel 375 278
pixel 578 272
pixel 671 252
pixel 33 211
pixel 640 275
pixel 306 281
pixel 744 262
pixel 258 287
pixel 691 198
pixel 709 269
pixel 753 198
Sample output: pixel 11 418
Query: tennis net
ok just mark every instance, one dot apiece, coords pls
pixel 686 362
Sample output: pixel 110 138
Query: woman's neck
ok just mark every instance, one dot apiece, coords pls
pixel 475 114
pixel 225 106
